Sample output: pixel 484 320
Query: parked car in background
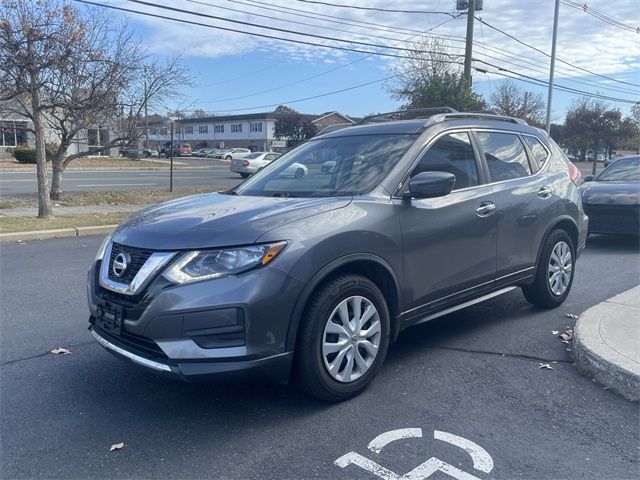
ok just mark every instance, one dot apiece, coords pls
pixel 234 153
pixel 150 153
pixel 214 153
pixel 329 166
pixel 180 150
pixel 201 152
pixel 252 163
pixel 612 199
pixel 314 277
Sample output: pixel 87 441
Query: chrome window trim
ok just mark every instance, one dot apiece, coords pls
pixel 153 264
pixel 131 356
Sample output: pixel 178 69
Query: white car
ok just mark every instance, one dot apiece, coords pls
pixel 251 163
pixel 234 153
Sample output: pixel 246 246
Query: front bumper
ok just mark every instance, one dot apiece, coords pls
pixel 233 325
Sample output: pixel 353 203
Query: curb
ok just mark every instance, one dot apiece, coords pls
pixel 56 233
pixel 598 356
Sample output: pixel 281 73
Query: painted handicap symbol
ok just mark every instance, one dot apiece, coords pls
pixel 482 461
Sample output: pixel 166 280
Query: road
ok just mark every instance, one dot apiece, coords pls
pixel 472 374
pixel 214 173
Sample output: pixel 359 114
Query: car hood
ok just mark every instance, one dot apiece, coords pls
pixel 611 193
pixel 216 220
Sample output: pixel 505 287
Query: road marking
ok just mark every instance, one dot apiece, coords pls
pixel 482 461
pixel 377 444
pixel 117 185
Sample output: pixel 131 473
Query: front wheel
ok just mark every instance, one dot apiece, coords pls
pixel 228 157
pixel 244 175
pixel 554 272
pixel 343 338
pixel 299 173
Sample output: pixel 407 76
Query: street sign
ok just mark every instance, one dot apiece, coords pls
pixel 221 144
pixel 279 143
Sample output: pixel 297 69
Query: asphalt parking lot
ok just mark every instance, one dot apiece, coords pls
pixel 462 396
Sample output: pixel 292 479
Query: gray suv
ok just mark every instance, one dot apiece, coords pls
pixel 313 278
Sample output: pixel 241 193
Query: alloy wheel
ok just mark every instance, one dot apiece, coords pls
pixel 559 269
pixel 351 339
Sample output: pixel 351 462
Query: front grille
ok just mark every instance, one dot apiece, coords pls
pixel 143 346
pixel 138 257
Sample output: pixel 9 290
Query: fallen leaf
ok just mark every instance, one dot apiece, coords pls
pixel 117 446
pixel 545 365
pixel 554 332
pixel 571 315
pixel 61 351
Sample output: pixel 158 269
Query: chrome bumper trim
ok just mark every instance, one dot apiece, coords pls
pixel 145 362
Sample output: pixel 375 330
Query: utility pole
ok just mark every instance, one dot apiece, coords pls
pixel 524 107
pixel 471 12
pixel 171 161
pixel 553 65
pixel 146 116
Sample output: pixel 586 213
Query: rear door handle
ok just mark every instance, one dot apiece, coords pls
pixel 485 209
pixel 544 192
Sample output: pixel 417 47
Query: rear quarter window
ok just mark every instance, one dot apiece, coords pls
pixel 505 155
pixel 540 154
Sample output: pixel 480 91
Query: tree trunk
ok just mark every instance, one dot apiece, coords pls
pixel 44 204
pixel 56 180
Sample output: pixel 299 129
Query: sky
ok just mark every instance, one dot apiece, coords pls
pixel 238 73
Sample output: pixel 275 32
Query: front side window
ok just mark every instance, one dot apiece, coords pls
pixel 538 151
pixel 453 154
pixel 361 162
pixel 505 155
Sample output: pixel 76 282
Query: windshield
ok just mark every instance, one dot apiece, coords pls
pixel 624 170
pixel 361 162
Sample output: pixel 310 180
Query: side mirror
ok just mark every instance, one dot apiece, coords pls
pixel 589 178
pixel 430 185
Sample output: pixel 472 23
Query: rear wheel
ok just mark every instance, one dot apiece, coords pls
pixel 228 157
pixel 343 338
pixel 555 269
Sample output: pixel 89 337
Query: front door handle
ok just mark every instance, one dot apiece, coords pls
pixel 485 209
pixel 544 192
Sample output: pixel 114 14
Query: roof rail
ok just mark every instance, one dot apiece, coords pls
pixel 485 116
pixel 410 114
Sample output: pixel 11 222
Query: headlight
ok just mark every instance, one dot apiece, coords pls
pixel 103 247
pixel 206 264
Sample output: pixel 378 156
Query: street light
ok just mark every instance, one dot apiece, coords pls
pixel 172 120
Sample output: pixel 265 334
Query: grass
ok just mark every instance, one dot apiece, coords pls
pixel 25 224
pixel 86 198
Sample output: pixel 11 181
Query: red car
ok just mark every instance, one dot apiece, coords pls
pixel 180 149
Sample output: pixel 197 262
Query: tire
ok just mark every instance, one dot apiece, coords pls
pixel 228 157
pixel 299 173
pixel 541 292
pixel 244 175
pixel 311 366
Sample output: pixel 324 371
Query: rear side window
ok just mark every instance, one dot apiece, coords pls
pixel 451 153
pixel 505 155
pixel 537 150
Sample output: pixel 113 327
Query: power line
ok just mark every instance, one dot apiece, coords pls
pixel 255 34
pixel 547 55
pixel 314 76
pixel 390 10
pixel 284 30
pixel 601 16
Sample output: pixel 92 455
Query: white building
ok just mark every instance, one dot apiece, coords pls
pixel 254 130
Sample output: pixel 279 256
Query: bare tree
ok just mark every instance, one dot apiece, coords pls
pixel 36 42
pixel 431 76
pixel 511 101
pixel 104 77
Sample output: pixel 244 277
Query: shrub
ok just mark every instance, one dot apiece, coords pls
pixel 25 155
